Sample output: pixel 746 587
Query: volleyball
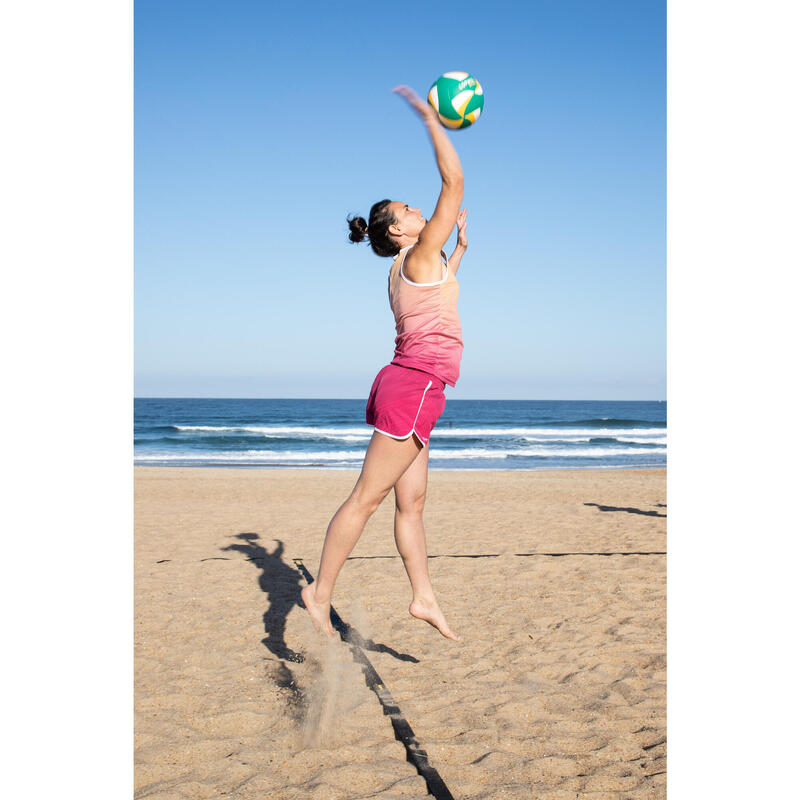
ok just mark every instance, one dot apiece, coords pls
pixel 457 98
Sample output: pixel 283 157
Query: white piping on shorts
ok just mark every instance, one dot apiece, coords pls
pixel 412 283
pixel 386 433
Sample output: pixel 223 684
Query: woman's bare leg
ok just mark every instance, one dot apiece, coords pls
pixel 386 460
pixel 409 535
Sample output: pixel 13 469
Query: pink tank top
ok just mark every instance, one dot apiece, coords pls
pixel 426 318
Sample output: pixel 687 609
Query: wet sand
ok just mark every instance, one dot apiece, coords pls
pixel 558 689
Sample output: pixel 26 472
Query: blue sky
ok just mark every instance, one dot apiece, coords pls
pixel 260 126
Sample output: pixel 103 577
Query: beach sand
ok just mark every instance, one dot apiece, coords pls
pixel 558 689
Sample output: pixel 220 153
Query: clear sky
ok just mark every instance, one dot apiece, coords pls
pixel 259 126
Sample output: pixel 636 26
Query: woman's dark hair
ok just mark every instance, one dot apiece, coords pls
pixel 380 218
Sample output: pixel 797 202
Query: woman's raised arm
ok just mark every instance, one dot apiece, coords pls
pixel 424 261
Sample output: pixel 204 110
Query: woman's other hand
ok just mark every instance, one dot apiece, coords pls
pixel 461 222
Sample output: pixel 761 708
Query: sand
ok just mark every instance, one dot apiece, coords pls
pixel 558 689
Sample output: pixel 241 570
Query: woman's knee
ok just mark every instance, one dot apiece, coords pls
pixel 410 503
pixel 367 502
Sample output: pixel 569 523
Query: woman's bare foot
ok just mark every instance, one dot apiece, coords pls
pixel 320 612
pixel 429 611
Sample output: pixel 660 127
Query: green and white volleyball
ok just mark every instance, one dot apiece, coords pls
pixel 457 98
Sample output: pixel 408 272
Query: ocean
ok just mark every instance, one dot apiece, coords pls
pixel 471 434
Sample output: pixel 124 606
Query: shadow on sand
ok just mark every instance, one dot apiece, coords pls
pixel 629 510
pixel 281 584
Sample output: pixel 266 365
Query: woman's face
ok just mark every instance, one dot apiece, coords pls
pixel 409 220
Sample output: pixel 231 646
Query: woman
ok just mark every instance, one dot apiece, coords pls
pixel 407 396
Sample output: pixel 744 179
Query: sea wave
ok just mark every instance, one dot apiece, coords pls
pixel 276 431
pixel 353 434
pixel 551 432
pixel 583 452
pixel 273 456
pixel 290 456
pixel 661 441
pixel 609 422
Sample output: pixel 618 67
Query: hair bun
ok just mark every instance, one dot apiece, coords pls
pixel 358 228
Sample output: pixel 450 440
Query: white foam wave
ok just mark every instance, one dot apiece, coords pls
pixel 352 433
pixel 278 431
pixel 550 433
pixel 471 452
pixel 560 452
pixel 292 456
pixel 271 456
pixel 583 452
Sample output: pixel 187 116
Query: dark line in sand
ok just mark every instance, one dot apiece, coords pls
pixel 626 553
pixel 479 555
pixel 628 510
pixel 402 730
pixel 443 555
pixel 541 555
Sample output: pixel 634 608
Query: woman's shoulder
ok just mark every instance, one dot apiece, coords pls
pixel 424 272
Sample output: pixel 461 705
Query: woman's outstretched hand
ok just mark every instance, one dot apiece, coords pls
pixel 461 222
pixel 425 110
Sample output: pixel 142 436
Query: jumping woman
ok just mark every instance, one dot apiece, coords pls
pixel 407 396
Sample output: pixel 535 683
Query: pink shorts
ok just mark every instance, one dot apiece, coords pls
pixel 405 401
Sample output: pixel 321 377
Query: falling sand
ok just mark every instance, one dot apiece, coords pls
pixel 335 686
